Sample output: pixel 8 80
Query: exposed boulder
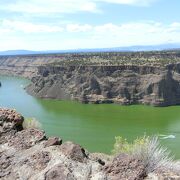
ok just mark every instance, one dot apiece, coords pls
pixel 26 138
pixel 5 164
pixel 100 158
pixel 52 141
pixel 39 160
pixel 10 120
pixel 59 172
pixel 125 167
pixel 73 151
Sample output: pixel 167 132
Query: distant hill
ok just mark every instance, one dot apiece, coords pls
pixel 17 52
pixel 115 49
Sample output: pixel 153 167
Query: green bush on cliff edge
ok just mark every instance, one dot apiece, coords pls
pixel 149 151
pixel 31 123
pixel 123 146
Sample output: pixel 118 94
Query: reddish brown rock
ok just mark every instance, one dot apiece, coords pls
pixel 5 164
pixel 26 138
pixel 73 151
pixel 39 160
pixel 125 167
pixel 10 120
pixel 52 141
pixel 59 172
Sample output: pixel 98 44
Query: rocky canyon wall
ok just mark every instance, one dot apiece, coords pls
pixel 124 78
pixel 123 84
pixel 25 65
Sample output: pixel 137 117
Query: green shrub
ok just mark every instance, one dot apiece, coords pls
pixel 148 150
pixel 123 146
pixel 153 155
pixel 31 123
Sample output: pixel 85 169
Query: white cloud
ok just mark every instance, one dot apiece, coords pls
pixel 27 27
pixel 130 2
pixel 5 31
pixel 50 6
pixel 97 36
pixel 8 26
pixel 78 28
pixel 63 6
pixel 145 33
pixel 174 27
pixel 127 34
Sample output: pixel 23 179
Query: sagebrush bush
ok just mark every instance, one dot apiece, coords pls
pixel 148 150
pixel 123 146
pixel 153 155
pixel 31 123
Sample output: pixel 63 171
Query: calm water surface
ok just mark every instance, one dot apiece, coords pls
pixel 93 126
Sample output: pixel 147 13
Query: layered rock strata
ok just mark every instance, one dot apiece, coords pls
pixel 114 77
pixel 25 65
pixel 124 84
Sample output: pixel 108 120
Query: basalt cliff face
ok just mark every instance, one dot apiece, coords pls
pixel 25 65
pixel 123 84
pixel 124 78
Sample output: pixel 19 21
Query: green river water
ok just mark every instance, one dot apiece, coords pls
pixel 93 126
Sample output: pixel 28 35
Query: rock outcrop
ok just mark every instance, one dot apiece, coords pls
pixel 29 154
pixel 25 65
pixel 10 120
pixel 125 167
pixel 124 84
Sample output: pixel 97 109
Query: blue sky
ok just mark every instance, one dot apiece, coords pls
pixel 73 24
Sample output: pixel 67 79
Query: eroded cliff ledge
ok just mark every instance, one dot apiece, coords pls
pixel 125 78
pixel 123 84
pixel 24 65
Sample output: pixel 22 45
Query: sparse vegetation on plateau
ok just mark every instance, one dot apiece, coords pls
pixel 157 58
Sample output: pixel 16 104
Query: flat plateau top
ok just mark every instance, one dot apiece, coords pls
pixel 154 58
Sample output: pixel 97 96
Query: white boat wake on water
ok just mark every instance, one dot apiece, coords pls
pixel 171 136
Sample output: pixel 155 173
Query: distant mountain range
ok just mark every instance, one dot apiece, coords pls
pixel 116 49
